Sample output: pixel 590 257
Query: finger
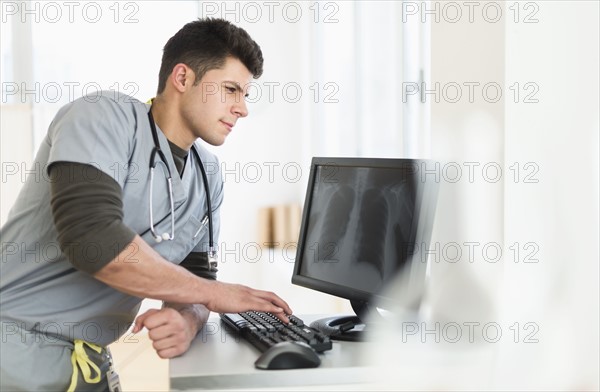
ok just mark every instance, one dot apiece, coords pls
pixel 170 352
pixel 266 306
pixel 165 343
pixel 275 300
pixel 156 320
pixel 140 320
pixel 162 332
pixel 177 341
pixel 283 317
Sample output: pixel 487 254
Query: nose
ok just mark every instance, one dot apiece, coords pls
pixel 239 108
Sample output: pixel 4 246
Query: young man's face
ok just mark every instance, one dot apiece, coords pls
pixel 211 109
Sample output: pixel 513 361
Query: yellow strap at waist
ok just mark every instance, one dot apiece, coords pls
pixel 80 360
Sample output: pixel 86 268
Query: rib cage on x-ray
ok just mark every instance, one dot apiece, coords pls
pixel 370 237
pixel 360 219
pixel 335 222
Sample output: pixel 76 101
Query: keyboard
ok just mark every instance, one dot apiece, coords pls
pixel 264 330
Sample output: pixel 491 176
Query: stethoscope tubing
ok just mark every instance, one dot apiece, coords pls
pixel 153 163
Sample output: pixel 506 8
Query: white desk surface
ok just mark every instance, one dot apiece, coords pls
pixel 217 359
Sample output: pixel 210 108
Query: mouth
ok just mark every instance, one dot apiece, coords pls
pixel 228 125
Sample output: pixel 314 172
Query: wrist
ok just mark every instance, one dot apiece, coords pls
pixel 195 317
pixel 209 290
pixel 192 321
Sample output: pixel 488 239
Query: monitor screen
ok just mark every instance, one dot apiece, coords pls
pixel 362 224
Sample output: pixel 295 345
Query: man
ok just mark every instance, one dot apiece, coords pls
pixel 79 252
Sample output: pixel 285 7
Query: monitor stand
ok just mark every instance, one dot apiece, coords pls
pixel 349 328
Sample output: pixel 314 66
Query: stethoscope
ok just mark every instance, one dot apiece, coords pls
pixel 212 252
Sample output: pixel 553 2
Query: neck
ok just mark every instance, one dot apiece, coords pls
pixel 169 122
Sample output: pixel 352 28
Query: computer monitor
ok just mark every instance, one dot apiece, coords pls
pixel 365 223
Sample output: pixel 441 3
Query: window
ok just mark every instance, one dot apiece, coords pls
pixel 64 50
pixel 364 58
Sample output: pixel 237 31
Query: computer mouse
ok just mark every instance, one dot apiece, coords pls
pixel 288 355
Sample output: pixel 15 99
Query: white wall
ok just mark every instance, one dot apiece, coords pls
pixel 559 213
pixel 546 309
pixel 16 144
pixel 467 131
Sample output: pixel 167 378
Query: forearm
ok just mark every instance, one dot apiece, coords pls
pixel 140 271
pixel 147 275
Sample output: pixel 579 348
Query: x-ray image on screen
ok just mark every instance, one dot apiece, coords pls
pixel 334 223
pixel 359 225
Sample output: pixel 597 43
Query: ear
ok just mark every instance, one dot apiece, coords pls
pixel 182 77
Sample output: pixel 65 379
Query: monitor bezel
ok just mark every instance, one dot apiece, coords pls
pixel 414 270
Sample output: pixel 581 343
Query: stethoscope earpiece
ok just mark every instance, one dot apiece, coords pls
pixel 160 238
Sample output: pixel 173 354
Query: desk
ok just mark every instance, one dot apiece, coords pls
pixel 217 359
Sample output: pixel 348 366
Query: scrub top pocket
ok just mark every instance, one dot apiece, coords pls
pixel 184 242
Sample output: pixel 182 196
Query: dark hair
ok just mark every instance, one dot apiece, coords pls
pixel 205 44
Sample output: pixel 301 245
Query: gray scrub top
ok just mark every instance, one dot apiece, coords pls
pixel 45 303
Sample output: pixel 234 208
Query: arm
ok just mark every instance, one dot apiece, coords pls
pixel 148 275
pixel 173 327
pixel 137 269
pixel 195 315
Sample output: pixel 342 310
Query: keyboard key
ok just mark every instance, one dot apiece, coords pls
pixel 264 330
pixel 296 321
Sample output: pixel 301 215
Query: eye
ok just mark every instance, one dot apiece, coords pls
pixel 230 89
